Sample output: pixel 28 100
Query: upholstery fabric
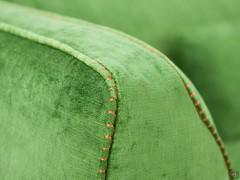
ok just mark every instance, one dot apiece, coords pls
pixel 233 149
pixel 79 101
pixel 49 107
pixel 154 21
pixel 210 57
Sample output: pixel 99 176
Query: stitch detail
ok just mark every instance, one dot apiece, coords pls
pixel 205 120
pixel 109 78
pixel 103 159
pixel 211 128
pixel 94 64
pixel 108 136
pixel 110 125
pixel 192 94
pixel 201 112
pixel 123 35
pixel 111 112
pixel 102 171
pixel 105 149
pixel 111 99
pixel 196 102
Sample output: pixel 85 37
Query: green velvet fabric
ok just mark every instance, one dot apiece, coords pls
pixel 158 22
pixel 49 104
pixel 210 57
pixel 233 149
pixel 153 21
pixel 65 81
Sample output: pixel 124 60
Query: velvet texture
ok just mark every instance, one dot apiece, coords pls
pixel 154 22
pixel 73 89
pixel 157 24
pixel 233 149
pixel 210 56
pixel 50 105
pixel 213 53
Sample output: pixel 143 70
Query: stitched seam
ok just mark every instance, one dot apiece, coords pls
pixel 203 116
pixel 192 95
pixel 137 42
pixel 111 113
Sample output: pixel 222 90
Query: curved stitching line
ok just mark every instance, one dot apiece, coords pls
pixel 202 115
pixel 191 94
pixel 130 38
pixel 95 65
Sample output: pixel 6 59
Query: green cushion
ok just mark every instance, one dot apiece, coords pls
pixel 210 56
pixel 79 101
pixel 154 22
pixel 233 149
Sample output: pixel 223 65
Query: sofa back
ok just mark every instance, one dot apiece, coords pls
pixel 152 21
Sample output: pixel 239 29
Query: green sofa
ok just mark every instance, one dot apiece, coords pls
pixel 83 101
pixel 214 53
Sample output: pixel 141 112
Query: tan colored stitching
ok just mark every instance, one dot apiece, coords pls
pixel 209 126
pixel 109 78
pixel 102 171
pixel 105 149
pixel 108 136
pixel 211 129
pixel 96 65
pixel 197 104
pixel 215 135
pixel 103 159
pixel 111 112
pixel 205 120
pixel 201 112
pixel 222 147
pixel 111 99
pixel 20 33
pixel 192 94
pixel 110 125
